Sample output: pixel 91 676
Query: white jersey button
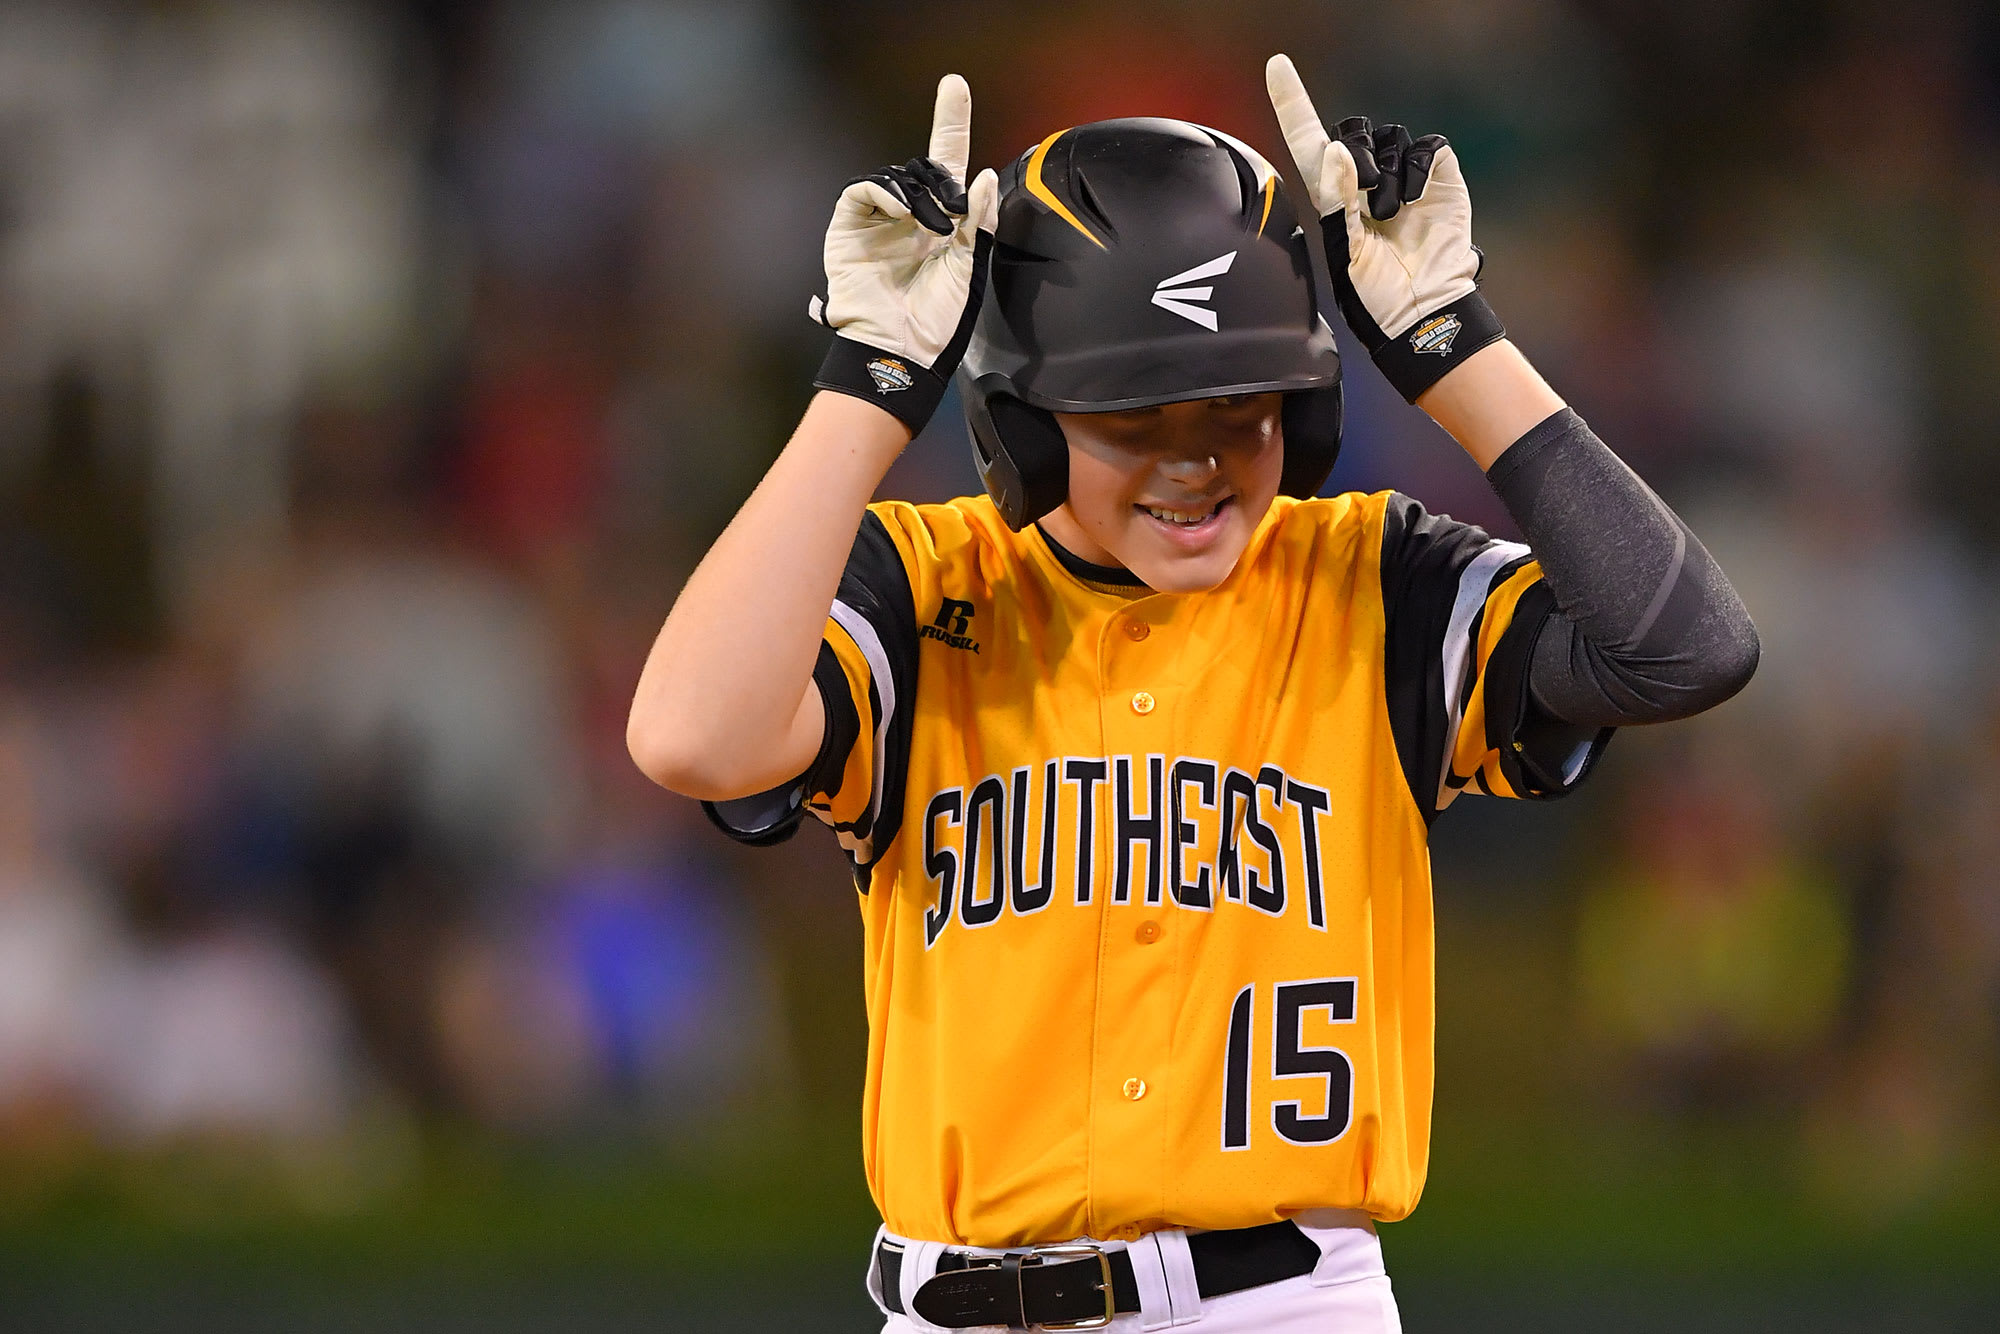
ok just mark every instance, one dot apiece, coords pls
pixel 1135 1088
pixel 1143 702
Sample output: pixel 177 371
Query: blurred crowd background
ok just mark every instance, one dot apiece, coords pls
pixel 372 375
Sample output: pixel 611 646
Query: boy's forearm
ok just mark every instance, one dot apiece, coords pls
pixel 1650 629
pixel 1490 401
pixel 722 707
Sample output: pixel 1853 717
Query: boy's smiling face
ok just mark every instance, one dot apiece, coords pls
pixel 1172 493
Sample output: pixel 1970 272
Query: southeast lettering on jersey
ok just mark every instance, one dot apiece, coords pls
pixel 1204 836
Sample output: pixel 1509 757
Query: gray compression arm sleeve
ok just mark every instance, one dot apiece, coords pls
pixel 1646 628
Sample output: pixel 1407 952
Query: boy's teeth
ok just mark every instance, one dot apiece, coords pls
pixel 1176 516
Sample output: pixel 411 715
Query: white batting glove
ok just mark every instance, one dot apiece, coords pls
pixel 906 261
pixel 1409 289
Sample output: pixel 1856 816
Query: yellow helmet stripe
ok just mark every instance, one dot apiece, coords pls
pixel 1041 191
pixel 1270 189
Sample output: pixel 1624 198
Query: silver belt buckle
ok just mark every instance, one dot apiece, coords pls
pixel 1078 1252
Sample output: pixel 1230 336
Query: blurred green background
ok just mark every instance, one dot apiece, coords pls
pixel 371 376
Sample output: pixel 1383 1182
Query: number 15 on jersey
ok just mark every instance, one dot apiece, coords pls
pixel 1291 1058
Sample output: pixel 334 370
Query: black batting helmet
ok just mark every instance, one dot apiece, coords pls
pixel 1138 262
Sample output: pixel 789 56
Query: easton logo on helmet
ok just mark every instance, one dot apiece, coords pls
pixel 1171 295
pixel 889 375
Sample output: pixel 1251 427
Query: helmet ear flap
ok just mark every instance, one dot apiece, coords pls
pixel 1312 421
pixel 1021 454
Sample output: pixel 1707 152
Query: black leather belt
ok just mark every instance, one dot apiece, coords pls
pixel 1083 1286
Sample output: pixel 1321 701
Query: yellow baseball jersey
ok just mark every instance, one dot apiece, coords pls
pixel 1145 877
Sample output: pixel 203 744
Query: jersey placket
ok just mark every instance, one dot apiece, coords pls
pixel 1138 694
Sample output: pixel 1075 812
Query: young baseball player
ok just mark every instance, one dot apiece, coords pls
pixel 1135 757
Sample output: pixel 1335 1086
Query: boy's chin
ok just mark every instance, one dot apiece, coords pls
pixel 1170 565
pixel 1166 574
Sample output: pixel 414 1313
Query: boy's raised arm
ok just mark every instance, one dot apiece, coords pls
pixel 1647 627
pixel 726 706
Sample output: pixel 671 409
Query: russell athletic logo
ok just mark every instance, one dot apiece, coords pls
pixel 954 619
pixel 1173 294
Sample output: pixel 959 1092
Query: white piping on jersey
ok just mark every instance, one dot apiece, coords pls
pixel 1473 585
pixel 864 637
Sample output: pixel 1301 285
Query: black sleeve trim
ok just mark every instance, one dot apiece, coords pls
pixel 876 586
pixel 1423 557
pixel 1534 749
pixel 843 725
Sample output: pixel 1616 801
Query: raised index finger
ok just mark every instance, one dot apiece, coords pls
pixel 951 126
pixel 1304 134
